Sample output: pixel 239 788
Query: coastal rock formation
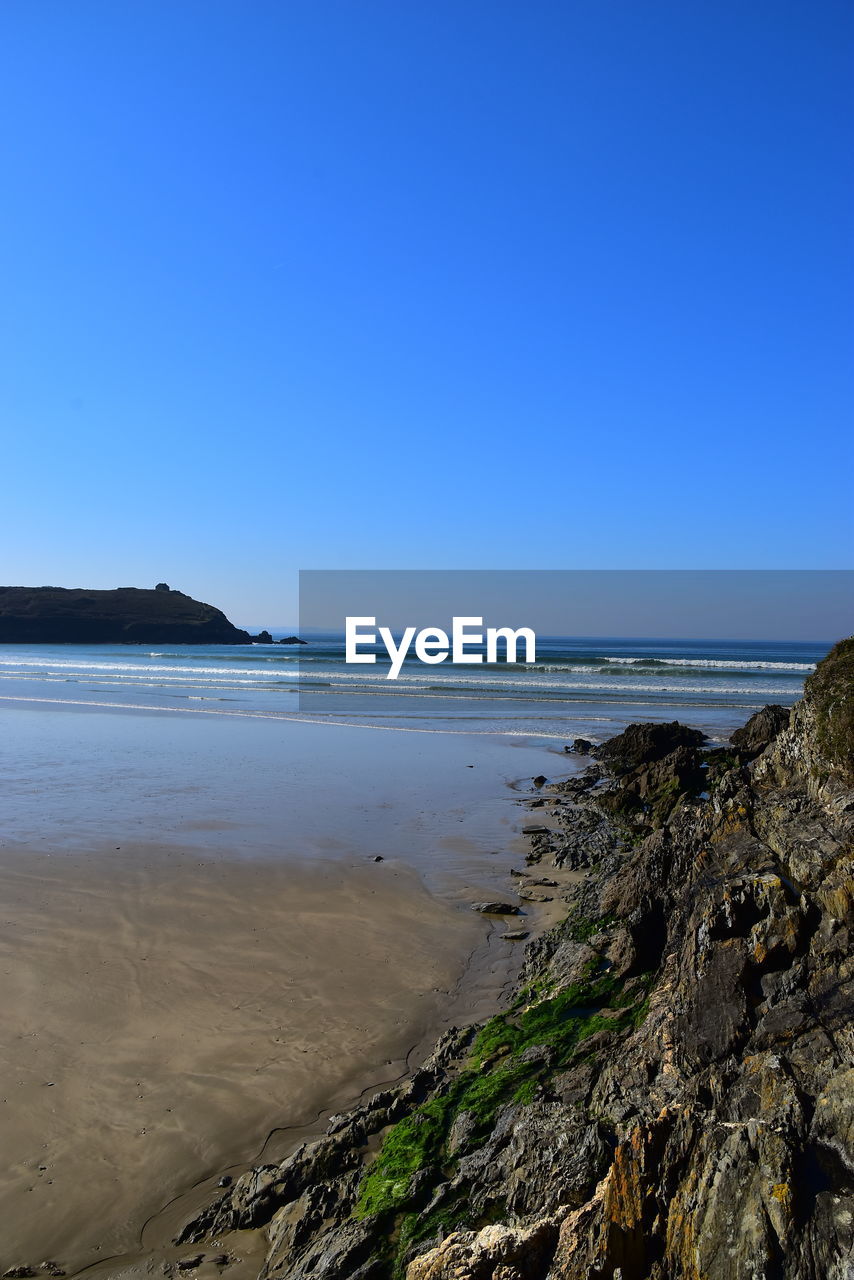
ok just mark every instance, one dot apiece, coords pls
pixel 670 1093
pixel 127 615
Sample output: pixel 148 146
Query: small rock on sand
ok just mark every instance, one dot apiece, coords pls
pixel 495 908
pixel 515 935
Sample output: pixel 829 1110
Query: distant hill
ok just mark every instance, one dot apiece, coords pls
pixel 127 615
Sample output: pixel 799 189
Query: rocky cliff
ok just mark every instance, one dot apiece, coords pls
pixel 671 1092
pixel 127 615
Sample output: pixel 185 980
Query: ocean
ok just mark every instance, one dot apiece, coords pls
pixel 589 687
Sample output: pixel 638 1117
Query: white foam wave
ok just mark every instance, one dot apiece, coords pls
pixel 723 664
pixel 612 678
pixel 58 664
pixel 433 679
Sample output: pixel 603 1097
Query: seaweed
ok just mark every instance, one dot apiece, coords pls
pixel 511 1059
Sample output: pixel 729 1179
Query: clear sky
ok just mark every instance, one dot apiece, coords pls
pixel 296 284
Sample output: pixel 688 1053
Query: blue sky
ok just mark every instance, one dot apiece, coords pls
pixel 753 604
pixel 344 285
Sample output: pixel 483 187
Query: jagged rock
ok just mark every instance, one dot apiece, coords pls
pixel 586 837
pixel 343 1249
pixel 257 1194
pixel 461 1132
pixel 829 703
pixel 641 744
pixel 670 1093
pixel 649 790
pixel 493 1253
pixel 760 730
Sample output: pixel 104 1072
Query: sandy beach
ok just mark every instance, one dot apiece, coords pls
pixel 162 1011
pixel 198 947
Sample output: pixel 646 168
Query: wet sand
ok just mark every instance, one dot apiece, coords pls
pixel 161 1011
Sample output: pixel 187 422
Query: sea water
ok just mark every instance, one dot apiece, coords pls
pixel 576 687
pixel 286 750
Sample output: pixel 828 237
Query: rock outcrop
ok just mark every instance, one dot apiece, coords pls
pixel 127 615
pixel 670 1094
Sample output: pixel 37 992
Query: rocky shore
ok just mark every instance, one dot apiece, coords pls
pixel 669 1093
